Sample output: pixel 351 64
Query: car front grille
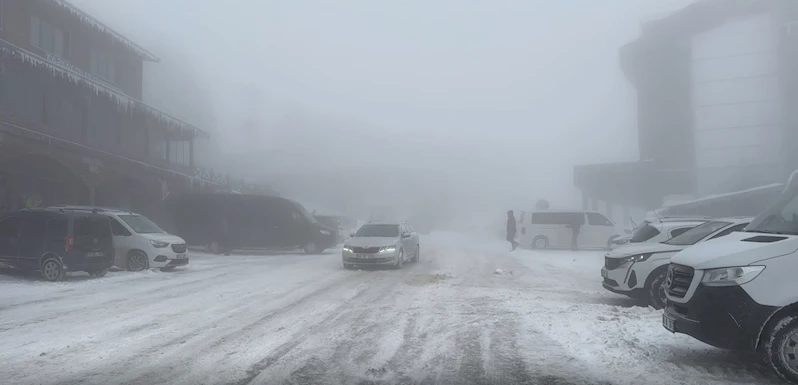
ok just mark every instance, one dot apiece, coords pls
pixel 612 263
pixel 679 279
pixel 366 250
pixel 181 248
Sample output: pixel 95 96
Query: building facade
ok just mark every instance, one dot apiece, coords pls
pixel 716 82
pixel 73 129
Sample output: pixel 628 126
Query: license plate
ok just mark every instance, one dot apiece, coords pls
pixel 180 256
pixel 95 254
pixel 364 256
pixel 668 323
pixel 604 273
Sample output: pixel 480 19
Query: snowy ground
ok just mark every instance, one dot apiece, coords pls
pixel 299 319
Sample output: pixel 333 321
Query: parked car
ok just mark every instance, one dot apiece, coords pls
pixel 640 270
pixel 253 221
pixel 57 241
pixel 548 229
pixel 382 244
pixel 740 292
pixel 659 230
pixel 139 243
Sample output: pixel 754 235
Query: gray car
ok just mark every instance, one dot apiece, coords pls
pixel 382 244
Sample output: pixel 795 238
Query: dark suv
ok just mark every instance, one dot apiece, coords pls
pixel 55 241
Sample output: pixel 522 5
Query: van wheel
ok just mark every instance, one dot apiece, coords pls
pixel 540 242
pixel 656 291
pixel 53 270
pixel 98 273
pixel 781 348
pixel 137 261
pixel 311 248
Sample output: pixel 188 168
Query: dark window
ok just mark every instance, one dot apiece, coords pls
pixel 118 229
pixel 378 231
pixel 679 231
pixel 730 230
pixel 57 228
pixel 10 226
pixel 558 218
pixel 696 234
pixel 644 233
pixel 47 37
pixel 34 227
pixel 86 227
pixel 596 219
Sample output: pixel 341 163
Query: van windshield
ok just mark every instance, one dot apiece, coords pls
pixel 781 217
pixel 141 224
pixel 692 236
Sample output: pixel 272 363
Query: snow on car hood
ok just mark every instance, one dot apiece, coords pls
pixel 642 248
pixel 164 237
pixel 731 251
pixel 371 241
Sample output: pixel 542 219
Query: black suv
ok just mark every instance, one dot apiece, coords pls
pixel 55 241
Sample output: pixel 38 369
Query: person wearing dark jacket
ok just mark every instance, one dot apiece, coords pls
pixel 511 229
pixel 575 226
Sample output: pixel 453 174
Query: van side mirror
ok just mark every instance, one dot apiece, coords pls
pixel 406 235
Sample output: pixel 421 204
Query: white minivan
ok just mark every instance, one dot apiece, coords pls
pixel 553 229
pixel 741 291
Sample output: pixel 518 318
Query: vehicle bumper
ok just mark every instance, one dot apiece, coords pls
pixel 724 317
pixel 166 257
pixel 378 259
pixel 621 280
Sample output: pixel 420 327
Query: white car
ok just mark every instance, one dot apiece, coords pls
pixel 382 244
pixel 139 244
pixel 639 270
pixel 740 292
pixel 658 231
pixel 551 229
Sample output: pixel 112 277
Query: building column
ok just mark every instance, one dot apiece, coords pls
pixel 584 201
pixel 191 153
pixel 92 190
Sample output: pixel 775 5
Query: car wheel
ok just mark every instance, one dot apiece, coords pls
pixel 656 292
pixel 53 270
pixel 540 242
pixel 167 269
pixel 98 273
pixel 400 260
pixel 137 261
pixel 418 254
pixel 781 348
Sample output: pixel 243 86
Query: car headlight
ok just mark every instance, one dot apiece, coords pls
pixel 159 244
pixel 347 248
pixel 731 276
pixel 387 249
pixel 637 258
pixel 325 232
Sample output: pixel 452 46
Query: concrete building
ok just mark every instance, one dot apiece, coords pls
pixel 73 129
pixel 716 83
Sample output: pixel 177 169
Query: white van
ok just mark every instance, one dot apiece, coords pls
pixel 552 229
pixel 639 270
pixel 741 291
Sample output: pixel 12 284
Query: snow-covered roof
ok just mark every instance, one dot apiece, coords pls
pixel 77 76
pixel 726 195
pixel 92 22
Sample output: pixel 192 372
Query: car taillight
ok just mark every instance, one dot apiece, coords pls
pixel 68 243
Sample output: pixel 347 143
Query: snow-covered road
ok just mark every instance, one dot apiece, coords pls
pixel 303 319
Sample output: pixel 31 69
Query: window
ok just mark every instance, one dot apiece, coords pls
pixel 10 227
pixel 730 230
pixel 89 227
pixel 103 65
pixel 57 228
pixel 47 37
pixel 34 227
pixel 558 218
pixel 118 229
pixel 644 233
pixel 696 234
pixel 140 224
pixel 679 231
pixel 388 231
pixel 596 219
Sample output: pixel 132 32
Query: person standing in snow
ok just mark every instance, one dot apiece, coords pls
pixel 511 229
pixel 575 226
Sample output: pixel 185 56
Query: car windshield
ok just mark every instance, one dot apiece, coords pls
pixel 378 231
pixel 692 236
pixel 644 233
pixel 140 224
pixel 781 217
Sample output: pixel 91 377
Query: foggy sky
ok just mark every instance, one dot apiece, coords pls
pixel 516 92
